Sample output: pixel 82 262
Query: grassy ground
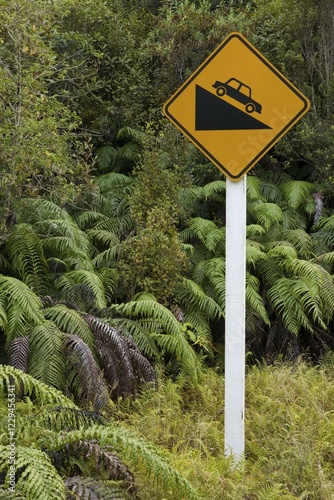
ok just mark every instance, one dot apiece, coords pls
pixel 289 434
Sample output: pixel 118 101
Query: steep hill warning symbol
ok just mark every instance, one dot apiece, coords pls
pixel 236 106
pixel 214 112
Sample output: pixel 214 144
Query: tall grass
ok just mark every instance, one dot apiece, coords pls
pixel 289 433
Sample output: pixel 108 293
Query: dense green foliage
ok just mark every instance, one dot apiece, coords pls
pixel 112 249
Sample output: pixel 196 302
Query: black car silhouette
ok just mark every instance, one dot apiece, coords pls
pixel 238 91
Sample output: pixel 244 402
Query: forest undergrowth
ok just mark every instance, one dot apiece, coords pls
pixel 289 449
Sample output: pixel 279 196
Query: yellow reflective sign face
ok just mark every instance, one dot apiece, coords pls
pixel 236 106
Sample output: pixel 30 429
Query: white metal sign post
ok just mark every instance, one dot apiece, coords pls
pixel 235 283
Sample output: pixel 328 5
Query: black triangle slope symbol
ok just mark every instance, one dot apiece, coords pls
pixel 213 113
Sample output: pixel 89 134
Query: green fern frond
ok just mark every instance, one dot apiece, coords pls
pixel 254 252
pixel 141 333
pixel 268 214
pixel 131 133
pixel 323 235
pixel 67 228
pixel 117 225
pixel 281 250
pixel 201 228
pixel 87 219
pixel 212 273
pixel 134 449
pixel 190 293
pixel 211 189
pixel 114 182
pixel 300 240
pixel 105 156
pixel 271 192
pixel 253 188
pixel 59 419
pixel 172 341
pixel 46 362
pixel 36 210
pixel 297 193
pixel 89 278
pixel 25 251
pixel 254 231
pixel 70 321
pixel 38 478
pixel 297 302
pixel 255 307
pixel 103 237
pixel 35 389
pixel 293 219
pixel 107 258
pixel 22 306
pixel 215 241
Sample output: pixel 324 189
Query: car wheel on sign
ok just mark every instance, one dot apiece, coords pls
pixel 221 91
pixel 250 108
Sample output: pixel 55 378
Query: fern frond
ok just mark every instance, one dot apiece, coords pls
pixel 103 458
pixel 300 240
pixel 46 362
pixel 297 303
pixel 107 258
pixel 255 307
pixel 36 390
pixel 81 488
pixel 271 192
pixel 87 219
pixel 18 353
pixel 103 237
pixel 38 478
pixel 22 306
pixel 25 251
pixel 297 193
pixel 85 376
pixel 70 321
pixel 190 293
pixel 268 214
pixel 254 252
pixel 253 188
pixel 141 333
pixel 134 449
pixel 254 231
pixel 200 228
pixel 35 210
pixel 89 278
pixel 108 338
pixel 173 341
pixel 59 419
pixel 281 250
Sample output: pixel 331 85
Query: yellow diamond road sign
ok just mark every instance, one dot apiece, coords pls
pixel 236 106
